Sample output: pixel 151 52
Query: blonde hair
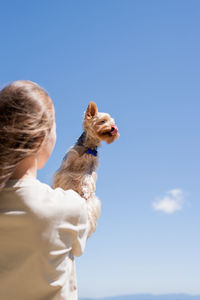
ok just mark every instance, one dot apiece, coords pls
pixel 26 118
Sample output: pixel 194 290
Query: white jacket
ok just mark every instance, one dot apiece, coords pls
pixel 41 230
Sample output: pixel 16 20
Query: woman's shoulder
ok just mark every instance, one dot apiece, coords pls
pixel 43 200
pixel 61 201
pixel 67 207
pixel 60 195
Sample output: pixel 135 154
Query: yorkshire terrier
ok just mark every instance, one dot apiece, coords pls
pixel 78 169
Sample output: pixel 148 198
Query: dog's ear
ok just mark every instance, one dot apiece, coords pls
pixel 91 111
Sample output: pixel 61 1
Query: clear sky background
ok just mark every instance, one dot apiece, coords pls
pixel 139 61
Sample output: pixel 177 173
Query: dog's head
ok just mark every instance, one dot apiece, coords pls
pixel 100 125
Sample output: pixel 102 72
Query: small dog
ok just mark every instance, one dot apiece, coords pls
pixel 78 169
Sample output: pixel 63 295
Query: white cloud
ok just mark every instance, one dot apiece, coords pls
pixel 171 202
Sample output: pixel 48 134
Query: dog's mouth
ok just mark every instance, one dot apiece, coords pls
pixel 112 132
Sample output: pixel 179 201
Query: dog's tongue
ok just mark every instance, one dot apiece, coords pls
pixel 114 130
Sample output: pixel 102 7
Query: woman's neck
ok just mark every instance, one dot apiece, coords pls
pixel 26 168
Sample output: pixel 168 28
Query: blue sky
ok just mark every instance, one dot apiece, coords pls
pixel 139 61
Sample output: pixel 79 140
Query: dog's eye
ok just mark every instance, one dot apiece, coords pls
pixel 103 121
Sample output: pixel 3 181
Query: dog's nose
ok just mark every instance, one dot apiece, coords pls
pixel 114 130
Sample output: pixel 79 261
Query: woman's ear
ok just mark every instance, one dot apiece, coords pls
pixel 91 111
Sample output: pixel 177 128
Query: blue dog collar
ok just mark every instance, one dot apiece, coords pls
pixel 81 141
pixel 93 152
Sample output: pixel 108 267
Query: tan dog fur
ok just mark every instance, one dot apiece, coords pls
pixel 78 169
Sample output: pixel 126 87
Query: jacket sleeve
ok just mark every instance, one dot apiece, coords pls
pixel 81 234
pixel 72 220
pixel 79 219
